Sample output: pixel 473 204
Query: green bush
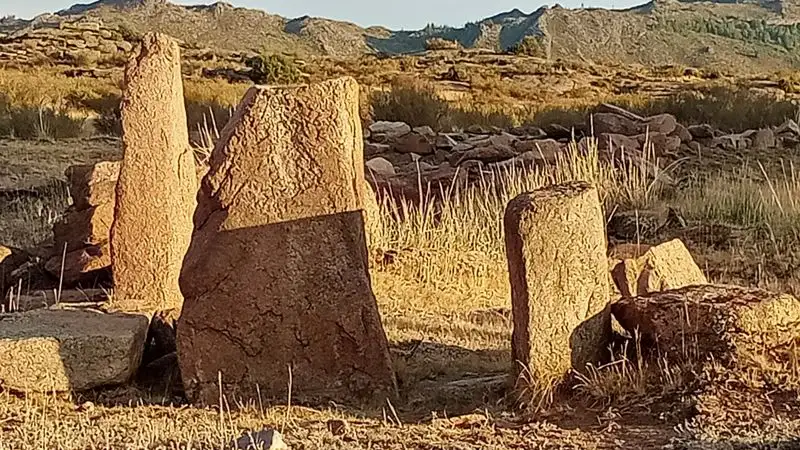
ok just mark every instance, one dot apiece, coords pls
pixel 273 69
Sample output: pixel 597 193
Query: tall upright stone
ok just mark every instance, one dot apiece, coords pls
pixel 276 280
pixel 556 248
pixel 157 186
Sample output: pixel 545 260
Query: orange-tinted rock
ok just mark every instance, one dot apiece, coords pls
pixel 660 268
pixel 157 187
pixel 276 277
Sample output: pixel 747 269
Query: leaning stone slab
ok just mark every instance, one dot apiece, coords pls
pixel 276 278
pixel 556 248
pixel 726 323
pixel 68 350
pixel 157 183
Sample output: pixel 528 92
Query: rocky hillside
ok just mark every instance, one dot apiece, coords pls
pixel 746 36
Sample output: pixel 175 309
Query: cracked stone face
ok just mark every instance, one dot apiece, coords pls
pixel 276 280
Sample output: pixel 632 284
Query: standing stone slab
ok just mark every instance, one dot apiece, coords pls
pixel 157 187
pixel 555 243
pixel 276 277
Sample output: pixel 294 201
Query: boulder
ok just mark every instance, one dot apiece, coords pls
pixel 660 268
pixel 556 249
pixel 84 265
pixel 277 273
pixel 413 143
pixel 78 229
pixel 617 145
pixel 764 139
pixel 701 131
pixel 608 123
pixel 380 167
pixel 69 350
pixel 488 154
pixel 547 148
pixel 157 186
pixel 662 123
pixel 93 184
pixel 405 187
pixel 662 143
pixel 372 149
pixel 682 133
pixel 724 323
pixel 390 129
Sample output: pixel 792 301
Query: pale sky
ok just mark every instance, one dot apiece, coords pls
pixel 395 14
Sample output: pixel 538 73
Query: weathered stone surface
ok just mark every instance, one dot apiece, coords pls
pixel 618 124
pixel 729 324
pixel 556 249
pixel 546 148
pixel 93 184
pixel 661 143
pixel 662 123
pixel 406 186
pixel 69 350
pixel 380 167
pixel 372 149
pixel 617 145
pixel 78 229
pixel 701 131
pixel 86 264
pixel 489 154
pixel 764 139
pixel 51 298
pixel 157 187
pixel 660 268
pixel 391 129
pixel 276 276
pixel 413 143
pixel 683 134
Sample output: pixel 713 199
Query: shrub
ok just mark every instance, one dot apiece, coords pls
pixel 409 101
pixel 273 69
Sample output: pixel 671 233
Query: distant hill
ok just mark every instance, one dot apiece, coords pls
pixel 740 36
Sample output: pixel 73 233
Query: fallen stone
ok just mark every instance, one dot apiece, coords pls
pixel 52 298
pixel 288 285
pixel 445 142
pixel 413 143
pixel 661 143
pixel 613 109
pixel 701 131
pixel 81 266
pixel 764 139
pixel 157 187
pixel 425 131
pixel 663 267
pixel 662 123
pixel 390 129
pixel 682 133
pixel 69 350
pixel 489 154
pixel 556 249
pixel 380 167
pixel 372 149
pixel 557 132
pixel 728 324
pixel 93 184
pixel 617 146
pixel 547 149
pixel 78 229
pixel 790 126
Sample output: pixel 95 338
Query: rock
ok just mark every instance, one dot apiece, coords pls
pixel 607 123
pixel 556 249
pixel 372 214
pixel 617 145
pixel 78 229
pixel 696 147
pixel 764 139
pixel 728 324
pixel 372 149
pixel 93 184
pixel 390 129
pixel 380 167
pixel 503 140
pixel 405 187
pixel 425 131
pixel 662 123
pixel 266 439
pixel 529 132
pixel 124 47
pixel 69 350
pixel 84 265
pixel 478 129
pixel 548 148
pixel 557 132
pixel 701 131
pixel 288 285
pixel 682 133
pixel 445 142
pixel 790 126
pixel 413 143
pixel 489 154
pixel 663 267
pixel 69 297
pixel 10 260
pixel 157 187
pixel 662 144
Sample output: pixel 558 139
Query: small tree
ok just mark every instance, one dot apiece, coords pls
pixel 273 69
